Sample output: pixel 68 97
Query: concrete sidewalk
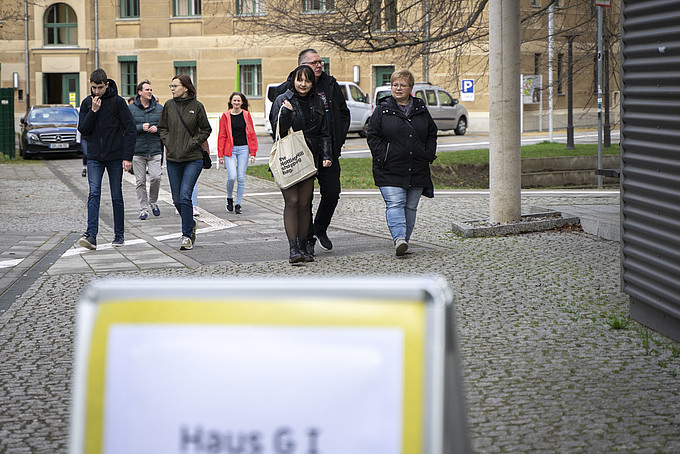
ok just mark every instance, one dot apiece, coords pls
pixel 544 370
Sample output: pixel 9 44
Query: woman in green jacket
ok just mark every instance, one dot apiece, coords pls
pixel 183 128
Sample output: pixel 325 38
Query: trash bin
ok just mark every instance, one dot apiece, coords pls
pixel 7 140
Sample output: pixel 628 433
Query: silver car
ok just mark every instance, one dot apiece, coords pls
pixel 446 111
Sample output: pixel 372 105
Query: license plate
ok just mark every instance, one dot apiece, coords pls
pixel 58 145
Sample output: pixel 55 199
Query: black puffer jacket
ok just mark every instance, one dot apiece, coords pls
pixel 110 131
pixel 402 147
pixel 317 134
pixel 340 115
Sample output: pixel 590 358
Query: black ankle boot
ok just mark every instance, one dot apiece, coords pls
pixel 307 250
pixel 295 254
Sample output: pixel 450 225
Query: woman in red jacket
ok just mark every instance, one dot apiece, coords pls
pixel 236 140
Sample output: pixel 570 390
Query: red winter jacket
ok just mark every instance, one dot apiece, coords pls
pixel 225 139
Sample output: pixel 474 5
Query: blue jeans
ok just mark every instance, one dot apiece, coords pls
pixel 401 206
pixel 183 177
pixel 95 173
pixel 236 165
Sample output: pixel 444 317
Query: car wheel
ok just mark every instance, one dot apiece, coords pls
pixel 462 126
pixel 364 131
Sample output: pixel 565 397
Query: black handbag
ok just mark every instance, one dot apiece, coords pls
pixel 207 162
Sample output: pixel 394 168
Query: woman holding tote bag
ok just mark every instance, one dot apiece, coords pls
pixel 302 110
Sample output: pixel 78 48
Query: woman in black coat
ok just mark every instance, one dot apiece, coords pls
pixel 403 140
pixel 302 109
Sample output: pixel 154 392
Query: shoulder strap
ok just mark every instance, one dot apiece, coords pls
pixel 179 114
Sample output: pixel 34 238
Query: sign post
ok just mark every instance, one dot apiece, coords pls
pixel 268 366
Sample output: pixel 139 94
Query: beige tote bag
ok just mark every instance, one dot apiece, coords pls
pixel 290 161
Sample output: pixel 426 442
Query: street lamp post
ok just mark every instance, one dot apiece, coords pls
pixel 570 92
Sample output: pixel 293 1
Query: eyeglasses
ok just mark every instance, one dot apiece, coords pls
pixel 400 86
pixel 314 63
pixel 172 87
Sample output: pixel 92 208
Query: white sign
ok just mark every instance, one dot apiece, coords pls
pixel 179 389
pixel 603 3
pixel 332 366
pixel 467 90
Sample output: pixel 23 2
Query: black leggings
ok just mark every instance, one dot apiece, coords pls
pixel 296 212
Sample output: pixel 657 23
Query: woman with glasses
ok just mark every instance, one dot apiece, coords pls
pixel 302 109
pixel 237 139
pixel 402 137
pixel 183 128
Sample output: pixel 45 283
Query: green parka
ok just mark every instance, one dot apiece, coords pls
pixel 182 146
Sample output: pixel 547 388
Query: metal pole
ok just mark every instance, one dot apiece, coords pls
pixel 605 70
pixel 96 34
pixel 551 44
pixel 599 94
pixel 570 94
pixel 28 55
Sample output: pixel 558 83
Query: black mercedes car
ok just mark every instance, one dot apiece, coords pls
pixel 50 129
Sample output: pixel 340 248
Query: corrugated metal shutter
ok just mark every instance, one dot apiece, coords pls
pixel 650 184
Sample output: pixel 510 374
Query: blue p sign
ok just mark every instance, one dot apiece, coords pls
pixel 468 86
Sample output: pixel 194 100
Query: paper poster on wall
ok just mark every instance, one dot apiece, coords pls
pixel 531 89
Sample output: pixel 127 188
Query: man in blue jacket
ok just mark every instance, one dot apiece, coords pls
pixel 109 128
pixel 148 149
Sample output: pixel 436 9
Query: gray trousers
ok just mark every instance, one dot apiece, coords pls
pixel 140 164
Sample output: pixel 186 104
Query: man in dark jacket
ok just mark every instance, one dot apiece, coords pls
pixel 148 149
pixel 338 118
pixel 108 126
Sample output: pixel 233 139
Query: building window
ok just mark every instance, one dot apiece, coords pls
pixel 250 7
pixel 128 75
pixel 536 3
pixel 186 7
pixel 560 74
pixel 61 25
pixel 129 8
pixel 314 6
pixel 326 62
pixel 188 68
pixel 384 15
pixel 250 77
pixel 537 64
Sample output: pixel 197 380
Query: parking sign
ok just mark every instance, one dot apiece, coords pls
pixel 467 90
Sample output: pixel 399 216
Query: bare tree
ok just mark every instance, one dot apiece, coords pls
pixel 447 31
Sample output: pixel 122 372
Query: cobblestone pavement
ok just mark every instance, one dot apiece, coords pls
pixel 544 370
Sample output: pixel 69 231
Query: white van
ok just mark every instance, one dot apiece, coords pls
pixel 359 106
pixel 358 103
pixel 268 101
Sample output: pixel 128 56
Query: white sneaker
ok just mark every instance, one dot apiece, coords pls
pixel 196 212
pixel 186 244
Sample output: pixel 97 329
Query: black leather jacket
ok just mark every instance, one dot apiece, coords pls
pixel 316 131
